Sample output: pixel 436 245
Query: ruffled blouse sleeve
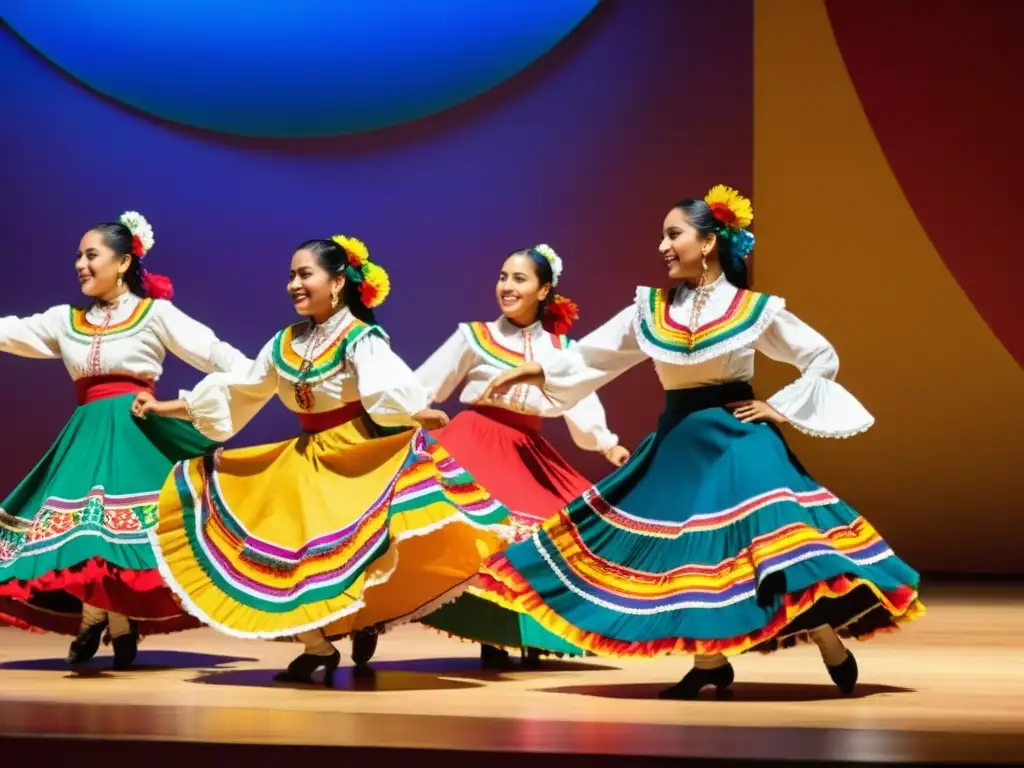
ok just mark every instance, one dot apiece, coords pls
pixel 596 359
pixel 388 389
pixel 443 371
pixel 588 425
pixel 34 336
pixel 194 343
pixel 815 403
pixel 224 402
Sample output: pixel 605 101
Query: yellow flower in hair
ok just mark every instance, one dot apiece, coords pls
pixel 729 207
pixel 358 254
pixel 376 285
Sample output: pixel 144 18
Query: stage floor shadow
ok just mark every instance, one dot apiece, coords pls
pixel 146 661
pixel 748 692
pixel 431 674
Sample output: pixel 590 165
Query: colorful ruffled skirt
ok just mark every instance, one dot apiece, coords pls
pixel 340 529
pixel 507 455
pixel 711 539
pixel 76 529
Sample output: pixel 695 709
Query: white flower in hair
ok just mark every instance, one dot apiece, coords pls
pixel 139 228
pixel 553 259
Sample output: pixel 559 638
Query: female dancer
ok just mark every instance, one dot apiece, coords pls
pixel 338 530
pixel 712 540
pixel 500 442
pixel 76 526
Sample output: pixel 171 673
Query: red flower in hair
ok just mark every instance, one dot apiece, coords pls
pixel 137 247
pixel 560 314
pixel 157 286
pixel 723 213
pixel 367 292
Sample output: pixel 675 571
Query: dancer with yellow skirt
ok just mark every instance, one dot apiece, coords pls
pixel 361 522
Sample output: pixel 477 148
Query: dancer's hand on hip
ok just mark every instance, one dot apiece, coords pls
pixel 756 410
pixel 430 418
pixel 527 373
pixel 617 455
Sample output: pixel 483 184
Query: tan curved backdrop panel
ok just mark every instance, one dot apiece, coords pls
pixel 942 472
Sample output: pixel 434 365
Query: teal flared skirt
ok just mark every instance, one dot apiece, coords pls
pixel 711 539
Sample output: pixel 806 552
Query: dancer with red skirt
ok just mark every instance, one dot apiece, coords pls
pixel 74 553
pixel 500 443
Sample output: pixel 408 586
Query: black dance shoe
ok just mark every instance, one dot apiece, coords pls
pixel 492 657
pixel 302 668
pixel 84 646
pixel 126 648
pixel 531 658
pixel 364 646
pixel 845 675
pixel 697 679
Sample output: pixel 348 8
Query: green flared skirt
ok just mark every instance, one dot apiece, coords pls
pixel 76 528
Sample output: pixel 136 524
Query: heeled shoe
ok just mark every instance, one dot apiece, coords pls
pixel 492 657
pixel 126 648
pixel 845 674
pixel 531 658
pixel 364 646
pixel 696 680
pixel 85 646
pixel 302 668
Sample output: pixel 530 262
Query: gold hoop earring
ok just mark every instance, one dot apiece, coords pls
pixel 120 282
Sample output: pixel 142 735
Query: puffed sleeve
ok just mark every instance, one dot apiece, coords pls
pixel 588 425
pixel 35 336
pixel 596 359
pixel 388 389
pixel 194 343
pixel 224 402
pixel 443 371
pixel 815 403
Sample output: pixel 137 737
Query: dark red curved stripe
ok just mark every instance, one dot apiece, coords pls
pixel 942 83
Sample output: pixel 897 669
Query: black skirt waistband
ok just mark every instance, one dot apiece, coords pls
pixel 680 402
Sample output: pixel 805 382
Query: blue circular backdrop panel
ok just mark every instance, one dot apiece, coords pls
pixel 298 69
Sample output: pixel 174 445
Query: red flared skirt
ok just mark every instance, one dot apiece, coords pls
pixel 505 453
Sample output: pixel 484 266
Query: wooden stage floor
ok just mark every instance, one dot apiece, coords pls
pixel 948 688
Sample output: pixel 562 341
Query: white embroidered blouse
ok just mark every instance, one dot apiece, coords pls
pixel 346 361
pixel 129 336
pixel 733 324
pixel 477 352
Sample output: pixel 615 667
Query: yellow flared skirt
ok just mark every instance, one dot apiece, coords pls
pixel 336 530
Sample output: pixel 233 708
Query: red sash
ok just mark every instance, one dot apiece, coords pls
pixel 93 388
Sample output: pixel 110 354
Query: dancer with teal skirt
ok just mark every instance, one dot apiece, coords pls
pixel 712 540
pixel 500 443
pixel 74 553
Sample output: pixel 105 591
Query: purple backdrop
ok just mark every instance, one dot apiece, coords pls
pixel 585 150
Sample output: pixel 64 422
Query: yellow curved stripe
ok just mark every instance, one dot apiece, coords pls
pixel 940 473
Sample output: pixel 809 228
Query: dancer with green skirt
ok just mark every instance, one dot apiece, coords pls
pixel 75 556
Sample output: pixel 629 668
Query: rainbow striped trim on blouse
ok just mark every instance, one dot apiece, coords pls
pixel 483 342
pixel 80 325
pixel 660 337
pixel 289 362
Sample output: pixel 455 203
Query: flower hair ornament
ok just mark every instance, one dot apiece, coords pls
pixel 155 286
pixel 733 213
pixel 373 281
pixel 559 312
